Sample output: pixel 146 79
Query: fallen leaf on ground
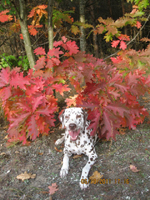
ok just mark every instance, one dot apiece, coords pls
pixel 40 153
pixel 44 192
pixel 96 176
pixel 133 168
pixel 6 137
pixel 53 188
pixel 77 156
pixel 25 176
pixel 122 131
pixel 3 153
pixel 58 150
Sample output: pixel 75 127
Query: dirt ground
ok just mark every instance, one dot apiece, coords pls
pixel 113 163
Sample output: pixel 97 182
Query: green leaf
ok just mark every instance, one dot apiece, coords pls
pixel 108 37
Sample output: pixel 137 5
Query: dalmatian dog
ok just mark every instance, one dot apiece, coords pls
pixel 77 140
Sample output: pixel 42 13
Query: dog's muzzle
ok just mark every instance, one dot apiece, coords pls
pixel 73 132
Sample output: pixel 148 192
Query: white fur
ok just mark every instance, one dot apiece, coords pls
pixel 84 144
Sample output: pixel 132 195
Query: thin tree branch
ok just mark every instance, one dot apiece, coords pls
pixel 4 41
pixel 130 40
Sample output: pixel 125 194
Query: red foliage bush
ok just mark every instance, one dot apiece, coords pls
pixel 110 93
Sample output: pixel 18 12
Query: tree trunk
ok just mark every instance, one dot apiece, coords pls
pixel 50 29
pixel 50 23
pixel 25 33
pixel 82 19
pixel 94 35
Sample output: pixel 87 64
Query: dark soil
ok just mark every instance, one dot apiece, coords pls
pixel 114 159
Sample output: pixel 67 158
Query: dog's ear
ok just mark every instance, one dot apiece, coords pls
pixel 61 117
pixel 85 117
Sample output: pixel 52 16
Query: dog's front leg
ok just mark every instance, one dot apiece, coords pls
pixel 85 171
pixel 65 166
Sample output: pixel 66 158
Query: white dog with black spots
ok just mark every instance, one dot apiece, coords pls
pixel 77 141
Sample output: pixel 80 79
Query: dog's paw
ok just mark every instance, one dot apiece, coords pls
pixel 84 183
pixel 60 140
pixel 63 172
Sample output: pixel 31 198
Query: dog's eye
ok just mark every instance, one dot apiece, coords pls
pixel 78 116
pixel 66 117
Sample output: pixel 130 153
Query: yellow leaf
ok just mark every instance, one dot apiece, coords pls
pixel 25 176
pixel 95 178
pixel 3 153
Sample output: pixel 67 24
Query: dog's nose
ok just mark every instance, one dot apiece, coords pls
pixel 72 126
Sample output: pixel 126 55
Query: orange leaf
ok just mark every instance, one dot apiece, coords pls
pixel 58 150
pixel 122 131
pixel 71 101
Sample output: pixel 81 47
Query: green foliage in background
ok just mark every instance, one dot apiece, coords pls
pixel 11 61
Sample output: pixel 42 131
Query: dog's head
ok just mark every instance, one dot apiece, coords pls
pixel 74 120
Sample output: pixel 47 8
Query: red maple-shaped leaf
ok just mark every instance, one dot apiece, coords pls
pixel 92 88
pixel 50 63
pixel 132 78
pixel 53 188
pixel 64 39
pixel 13 134
pixel 17 80
pixel 114 92
pixel 61 88
pixel 46 111
pixel 56 61
pixel 22 137
pixel 40 63
pixel 116 60
pixel 5 93
pixel 124 37
pixel 4 17
pixel 121 86
pixel 115 43
pixel 123 45
pixel 24 105
pixel 16 121
pixel 54 52
pixel 4 77
pixel 33 128
pixel 57 43
pixel 108 126
pixel 37 102
pixel 72 47
pixel 138 24
pixel 118 109
pixel 94 117
pixel 39 51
